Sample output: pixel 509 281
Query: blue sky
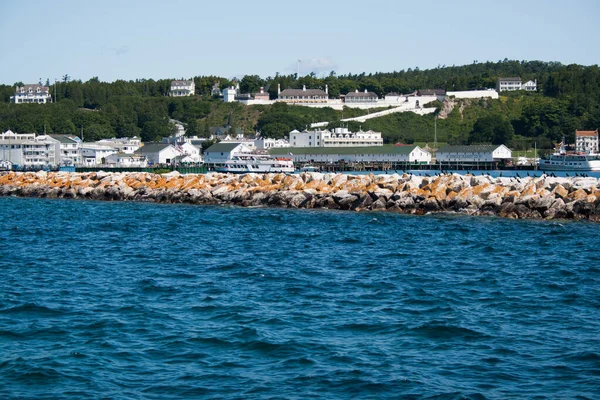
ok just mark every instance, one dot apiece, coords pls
pixel 131 39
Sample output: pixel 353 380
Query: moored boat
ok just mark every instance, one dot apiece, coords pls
pixel 259 163
pixel 570 162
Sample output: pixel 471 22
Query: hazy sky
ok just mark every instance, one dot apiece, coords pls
pixel 129 39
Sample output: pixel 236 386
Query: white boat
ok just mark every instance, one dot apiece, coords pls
pixel 309 168
pixel 570 162
pixel 5 165
pixel 259 163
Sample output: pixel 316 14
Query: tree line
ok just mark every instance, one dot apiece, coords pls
pixel 568 98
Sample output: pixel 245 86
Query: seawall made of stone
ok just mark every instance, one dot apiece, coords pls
pixel 524 198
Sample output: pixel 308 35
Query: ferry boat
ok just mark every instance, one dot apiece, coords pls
pixel 570 161
pixel 258 163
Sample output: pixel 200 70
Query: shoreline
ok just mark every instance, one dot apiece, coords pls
pixel 545 197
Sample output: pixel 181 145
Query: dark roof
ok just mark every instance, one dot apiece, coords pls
pixel 361 94
pixel 478 148
pixel 222 147
pixel 68 139
pixel 34 87
pixel 431 92
pixel 302 92
pixel 152 148
pixel 513 79
pixel 178 83
pixel 387 149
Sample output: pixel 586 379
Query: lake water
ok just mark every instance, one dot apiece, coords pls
pixel 150 301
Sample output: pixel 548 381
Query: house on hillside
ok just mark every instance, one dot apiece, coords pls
pixel 361 97
pixel 509 84
pixel 261 95
pixel 586 141
pixel 158 153
pixel 303 95
pixel 33 93
pixel 182 88
pixel 473 154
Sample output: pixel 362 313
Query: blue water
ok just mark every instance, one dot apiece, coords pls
pixel 148 301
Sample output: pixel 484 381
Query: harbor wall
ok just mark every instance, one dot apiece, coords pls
pixel 542 197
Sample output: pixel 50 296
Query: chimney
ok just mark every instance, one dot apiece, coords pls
pixel 278 89
pixel 262 90
pixel 326 89
pixel 365 90
pixel 355 90
pixel 304 88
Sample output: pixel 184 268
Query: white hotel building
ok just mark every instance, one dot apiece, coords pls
pixel 182 88
pixel 339 137
pixel 586 141
pixel 32 94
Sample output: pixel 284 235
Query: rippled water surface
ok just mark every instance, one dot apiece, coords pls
pixel 147 301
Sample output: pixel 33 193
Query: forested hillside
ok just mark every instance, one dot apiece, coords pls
pixel 568 98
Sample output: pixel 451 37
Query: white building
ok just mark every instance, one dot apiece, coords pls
pixel 530 86
pixel 586 141
pixel 229 94
pixel 126 160
pixel 182 88
pixel 339 137
pixel 32 152
pixel 509 84
pixel 389 154
pixel 190 153
pixel 474 94
pixel 303 95
pixel 220 152
pixel 159 153
pixel 122 145
pixel 361 97
pixel 514 83
pixel 70 149
pixel 93 154
pixel 270 143
pixel 35 93
pixel 473 154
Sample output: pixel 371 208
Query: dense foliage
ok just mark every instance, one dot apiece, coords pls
pixel 568 98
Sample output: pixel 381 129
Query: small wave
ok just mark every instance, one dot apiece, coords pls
pixel 31 308
pixel 439 331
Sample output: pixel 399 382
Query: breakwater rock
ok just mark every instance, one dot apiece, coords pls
pixel 530 198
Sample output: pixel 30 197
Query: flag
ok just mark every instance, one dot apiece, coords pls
pixel 299 61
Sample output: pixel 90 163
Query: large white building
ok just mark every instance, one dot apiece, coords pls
pixel 586 141
pixel 29 150
pixel 339 137
pixel 35 93
pixel 473 154
pixel 514 83
pixel 182 88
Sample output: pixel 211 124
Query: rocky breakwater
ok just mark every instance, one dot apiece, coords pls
pixel 531 198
